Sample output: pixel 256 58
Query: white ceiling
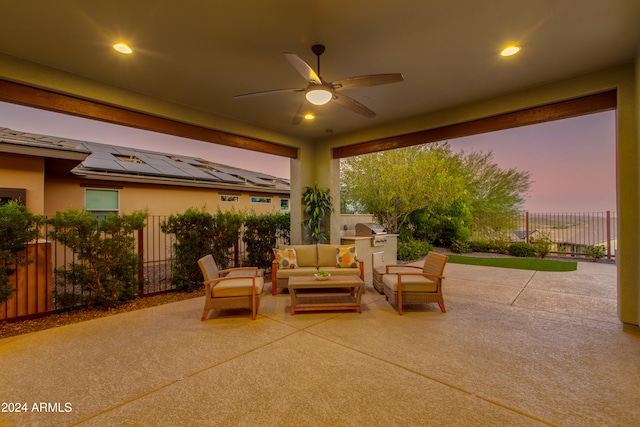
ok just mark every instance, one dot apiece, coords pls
pixel 201 53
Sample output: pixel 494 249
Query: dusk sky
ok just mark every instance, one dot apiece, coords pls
pixel 572 161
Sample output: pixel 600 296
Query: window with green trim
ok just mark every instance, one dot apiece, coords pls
pixel 101 202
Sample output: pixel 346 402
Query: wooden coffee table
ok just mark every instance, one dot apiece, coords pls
pixel 324 299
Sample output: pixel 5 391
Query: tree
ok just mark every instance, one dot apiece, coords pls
pixel 493 190
pixel 431 188
pixel 393 184
pixel 496 194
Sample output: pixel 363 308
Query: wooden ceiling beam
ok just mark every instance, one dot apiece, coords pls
pixel 44 99
pixel 559 110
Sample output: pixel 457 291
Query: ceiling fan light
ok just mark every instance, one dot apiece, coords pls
pixel 319 95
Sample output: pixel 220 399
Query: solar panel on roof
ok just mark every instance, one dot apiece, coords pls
pixel 137 167
pixel 197 173
pixel 260 181
pixel 106 164
pixel 225 177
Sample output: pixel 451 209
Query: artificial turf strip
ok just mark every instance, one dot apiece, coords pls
pixel 521 263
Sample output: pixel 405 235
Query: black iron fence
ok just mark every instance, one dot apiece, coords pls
pixel 571 234
pixel 39 287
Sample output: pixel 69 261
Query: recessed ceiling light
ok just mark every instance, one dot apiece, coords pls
pixel 309 116
pixel 510 50
pixel 122 48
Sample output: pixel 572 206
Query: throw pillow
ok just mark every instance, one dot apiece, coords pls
pixel 286 258
pixel 346 257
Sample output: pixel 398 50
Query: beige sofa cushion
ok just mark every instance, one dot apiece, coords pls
pixel 237 287
pixel 300 271
pixel 410 283
pixel 326 255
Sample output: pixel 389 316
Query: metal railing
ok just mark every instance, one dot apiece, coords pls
pixel 570 233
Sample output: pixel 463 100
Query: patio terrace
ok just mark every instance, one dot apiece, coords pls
pixel 515 347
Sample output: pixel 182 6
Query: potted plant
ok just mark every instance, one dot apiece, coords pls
pixel 318 203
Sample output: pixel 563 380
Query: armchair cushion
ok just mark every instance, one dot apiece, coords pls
pixel 236 287
pixel 287 258
pixel 410 283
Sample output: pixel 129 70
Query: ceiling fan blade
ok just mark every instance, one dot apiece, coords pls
pixel 303 68
pixel 368 80
pixel 304 107
pixel 352 105
pixel 267 92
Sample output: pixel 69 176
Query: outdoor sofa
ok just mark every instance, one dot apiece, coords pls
pixel 307 260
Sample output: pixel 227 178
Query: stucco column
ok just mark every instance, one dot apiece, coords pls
pixel 294 201
pixel 334 187
pixel 628 183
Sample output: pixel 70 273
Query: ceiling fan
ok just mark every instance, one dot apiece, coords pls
pixel 320 92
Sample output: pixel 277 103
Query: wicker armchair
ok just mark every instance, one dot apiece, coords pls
pixel 239 288
pixel 407 286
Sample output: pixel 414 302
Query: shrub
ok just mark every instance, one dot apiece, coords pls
pixel 226 231
pixel 490 246
pixel 195 233
pixel 499 246
pixel 521 249
pixel 442 226
pixel 542 246
pixel 18 226
pixel 595 252
pixel 460 247
pixel 283 227
pixel 105 265
pixel 411 249
pixel 260 233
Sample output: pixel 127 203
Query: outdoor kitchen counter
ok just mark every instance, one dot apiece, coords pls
pixel 385 254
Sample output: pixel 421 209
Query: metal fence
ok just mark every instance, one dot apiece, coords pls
pixel 38 285
pixel 570 233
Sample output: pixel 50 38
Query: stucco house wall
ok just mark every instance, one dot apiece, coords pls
pixel 21 171
pixel 159 200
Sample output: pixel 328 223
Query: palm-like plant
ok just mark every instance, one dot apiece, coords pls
pixel 318 203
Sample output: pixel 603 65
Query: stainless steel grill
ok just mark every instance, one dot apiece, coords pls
pixel 370 229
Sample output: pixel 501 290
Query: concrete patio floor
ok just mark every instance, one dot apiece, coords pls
pixel 515 348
